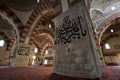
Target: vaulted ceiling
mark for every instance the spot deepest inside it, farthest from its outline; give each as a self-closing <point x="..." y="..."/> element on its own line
<point x="105" y="14"/>
<point x="32" y="19"/>
<point x="108" y="34"/>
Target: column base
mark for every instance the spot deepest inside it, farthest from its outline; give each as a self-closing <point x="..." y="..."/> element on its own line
<point x="55" y="76"/>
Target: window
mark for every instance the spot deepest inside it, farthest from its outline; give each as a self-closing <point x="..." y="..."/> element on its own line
<point x="46" y="52"/>
<point x="36" y="50"/>
<point x="45" y="62"/>
<point x="2" y="43"/>
<point x="112" y="30"/>
<point x="107" y="46"/>
<point x="113" y="8"/>
<point x="49" y="26"/>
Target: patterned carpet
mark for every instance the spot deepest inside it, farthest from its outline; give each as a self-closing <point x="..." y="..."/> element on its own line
<point x="25" y="73"/>
<point x="45" y="73"/>
<point x="111" y="73"/>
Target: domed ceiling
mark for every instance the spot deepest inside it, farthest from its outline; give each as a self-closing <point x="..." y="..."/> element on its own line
<point x="102" y="8"/>
<point x="103" y="12"/>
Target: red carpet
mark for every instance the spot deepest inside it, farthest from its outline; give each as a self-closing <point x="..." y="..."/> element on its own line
<point x="45" y="73"/>
<point x="27" y="73"/>
<point x="111" y="73"/>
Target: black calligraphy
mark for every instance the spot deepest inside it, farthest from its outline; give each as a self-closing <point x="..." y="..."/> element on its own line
<point x="70" y="29"/>
<point x="24" y="51"/>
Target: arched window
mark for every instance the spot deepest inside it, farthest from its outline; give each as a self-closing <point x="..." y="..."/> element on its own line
<point x="107" y="46"/>
<point x="2" y="43"/>
<point x="46" y="52"/>
<point x="35" y="50"/>
<point x="113" y="8"/>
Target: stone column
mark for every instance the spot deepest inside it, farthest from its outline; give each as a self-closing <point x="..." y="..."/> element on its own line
<point x="75" y="52"/>
<point x="64" y="5"/>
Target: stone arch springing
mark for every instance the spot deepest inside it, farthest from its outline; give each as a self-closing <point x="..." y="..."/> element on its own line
<point x="100" y="30"/>
<point x="44" y="47"/>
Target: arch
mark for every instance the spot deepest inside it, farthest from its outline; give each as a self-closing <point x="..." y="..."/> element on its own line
<point x="40" y="47"/>
<point x="101" y="28"/>
<point x="11" y="21"/>
<point x="45" y="32"/>
<point x="44" y="47"/>
<point x="36" y="45"/>
<point x="105" y="23"/>
<point x="33" y="23"/>
<point x="42" y="11"/>
<point x="108" y="38"/>
<point x="11" y="15"/>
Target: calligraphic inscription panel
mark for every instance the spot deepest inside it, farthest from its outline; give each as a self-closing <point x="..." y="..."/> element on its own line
<point x="74" y="55"/>
<point x="24" y="49"/>
<point x="22" y="56"/>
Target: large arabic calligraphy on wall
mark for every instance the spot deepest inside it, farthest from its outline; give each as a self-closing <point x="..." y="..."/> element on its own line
<point x="74" y="55"/>
<point x="70" y="29"/>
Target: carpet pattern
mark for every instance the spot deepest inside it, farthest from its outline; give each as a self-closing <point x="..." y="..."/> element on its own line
<point x="111" y="73"/>
<point x="45" y="73"/>
<point x="25" y="73"/>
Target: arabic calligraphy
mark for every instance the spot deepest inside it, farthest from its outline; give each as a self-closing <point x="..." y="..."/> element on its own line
<point x="24" y="50"/>
<point x="70" y="29"/>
